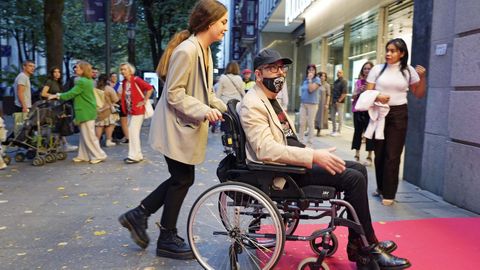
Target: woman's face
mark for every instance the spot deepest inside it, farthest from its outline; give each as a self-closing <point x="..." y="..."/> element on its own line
<point x="125" y="71"/>
<point x="393" y="54"/>
<point x="366" y="69"/>
<point x="113" y="78"/>
<point x="56" y="74"/>
<point x="79" y="71"/>
<point x="323" y="77"/>
<point x="311" y="69"/>
<point x="217" y="29"/>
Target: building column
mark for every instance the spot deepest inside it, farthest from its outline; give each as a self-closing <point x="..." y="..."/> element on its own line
<point x="346" y="51"/>
<point x="421" y="39"/>
<point x="382" y="33"/>
<point x="324" y="54"/>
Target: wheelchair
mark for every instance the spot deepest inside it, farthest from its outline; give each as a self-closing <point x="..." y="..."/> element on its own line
<point x="243" y="222"/>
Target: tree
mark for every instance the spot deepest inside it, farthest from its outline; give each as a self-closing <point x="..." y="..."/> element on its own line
<point x="52" y="24"/>
<point x="19" y="19"/>
<point x="172" y="17"/>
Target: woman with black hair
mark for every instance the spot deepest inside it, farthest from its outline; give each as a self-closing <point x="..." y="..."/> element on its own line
<point x="393" y="80"/>
<point x="52" y="86"/>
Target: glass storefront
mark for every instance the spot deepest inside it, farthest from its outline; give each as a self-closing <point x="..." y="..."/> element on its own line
<point x="361" y="44"/>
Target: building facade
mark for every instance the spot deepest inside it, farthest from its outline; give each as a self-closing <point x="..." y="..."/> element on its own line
<point x="443" y="140"/>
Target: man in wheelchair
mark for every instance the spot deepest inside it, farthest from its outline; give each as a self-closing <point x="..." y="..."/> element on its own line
<point x="270" y="138"/>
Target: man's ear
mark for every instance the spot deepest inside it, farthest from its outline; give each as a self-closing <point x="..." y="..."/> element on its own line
<point x="258" y="74"/>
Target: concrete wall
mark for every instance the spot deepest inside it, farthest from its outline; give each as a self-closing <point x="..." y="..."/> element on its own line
<point x="451" y="150"/>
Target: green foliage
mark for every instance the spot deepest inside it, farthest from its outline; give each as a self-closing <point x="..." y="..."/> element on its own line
<point x="22" y="20"/>
<point x="86" y="40"/>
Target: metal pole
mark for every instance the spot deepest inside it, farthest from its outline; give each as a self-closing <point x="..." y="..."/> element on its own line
<point x="108" y="30"/>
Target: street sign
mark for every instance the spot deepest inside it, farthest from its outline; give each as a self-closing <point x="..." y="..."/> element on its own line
<point x="94" y="10"/>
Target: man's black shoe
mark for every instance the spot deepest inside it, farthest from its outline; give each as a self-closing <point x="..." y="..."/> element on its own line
<point x="387" y="246"/>
<point x="136" y="221"/>
<point x="171" y="245"/>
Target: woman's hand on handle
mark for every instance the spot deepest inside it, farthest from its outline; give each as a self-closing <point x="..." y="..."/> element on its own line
<point x="213" y="115"/>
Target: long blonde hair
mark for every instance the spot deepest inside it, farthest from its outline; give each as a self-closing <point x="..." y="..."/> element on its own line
<point x="86" y="67"/>
<point x="204" y="14"/>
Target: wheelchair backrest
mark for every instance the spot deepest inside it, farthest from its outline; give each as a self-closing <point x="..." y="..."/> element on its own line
<point x="234" y="137"/>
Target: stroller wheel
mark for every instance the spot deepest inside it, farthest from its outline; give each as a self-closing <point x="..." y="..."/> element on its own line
<point x="31" y="154"/>
<point x="19" y="157"/>
<point x="61" y="155"/>
<point x="50" y="158"/>
<point x="38" y="161"/>
<point x="7" y="160"/>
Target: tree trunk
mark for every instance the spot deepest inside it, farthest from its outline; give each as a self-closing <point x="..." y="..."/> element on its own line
<point x="147" y="7"/>
<point x="52" y="24"/>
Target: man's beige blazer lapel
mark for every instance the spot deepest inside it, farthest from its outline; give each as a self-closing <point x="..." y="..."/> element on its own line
<point x="270" y="109"/>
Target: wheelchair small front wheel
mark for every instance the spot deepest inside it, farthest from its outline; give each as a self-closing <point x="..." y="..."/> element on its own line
<point x="311" y="264"/>
<point x="220" y="222"/>
<point x="331" y="245"/>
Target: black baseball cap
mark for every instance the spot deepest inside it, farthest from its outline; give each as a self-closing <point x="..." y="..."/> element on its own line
<point x="269" y="56"/>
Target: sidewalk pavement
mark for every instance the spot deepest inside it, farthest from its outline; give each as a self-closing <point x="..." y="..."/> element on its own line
<point x="64" y="215"/>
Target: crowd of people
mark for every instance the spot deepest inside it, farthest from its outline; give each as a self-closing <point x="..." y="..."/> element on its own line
<point x="190" y="103"/>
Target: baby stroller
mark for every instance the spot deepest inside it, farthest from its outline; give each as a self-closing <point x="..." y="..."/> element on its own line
<point x="38" y="137"/>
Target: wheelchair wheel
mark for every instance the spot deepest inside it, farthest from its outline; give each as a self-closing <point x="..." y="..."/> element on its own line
<point x="332" y="245"/>
<point x="291" y="225"/>
<point x="19" y="157"/>
<point x="220" y="222"/>
<point x="311" y="264"/>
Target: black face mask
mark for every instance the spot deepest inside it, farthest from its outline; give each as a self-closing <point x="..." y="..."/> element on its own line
<point x="275" y="85"/>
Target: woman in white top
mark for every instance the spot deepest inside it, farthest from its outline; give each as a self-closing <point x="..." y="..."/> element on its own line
<point x="393" y="80"/>
<point x="230" y="84"/>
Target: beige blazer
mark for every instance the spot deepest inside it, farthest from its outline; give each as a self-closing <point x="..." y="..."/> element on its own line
<point x="178" y="128"/>
<point x="266" y="141"/>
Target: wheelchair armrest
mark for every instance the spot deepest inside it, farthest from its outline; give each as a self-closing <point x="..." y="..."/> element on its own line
<point x="276" y="168"/>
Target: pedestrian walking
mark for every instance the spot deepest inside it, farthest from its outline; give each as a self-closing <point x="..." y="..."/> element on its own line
<point x="135" y="94"/>
<point x="309" y="103"/>
<point x="361" y="118"/>
<point x="22" y="91"/>
<point x="321" y="120"/>
<point x="339" y="93"/>
<point x="179" y="128"/>
<point x="107" y="116"/>
<point x="393" y="80"/>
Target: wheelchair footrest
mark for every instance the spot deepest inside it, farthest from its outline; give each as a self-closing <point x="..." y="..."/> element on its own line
<point x="319" y="192"/>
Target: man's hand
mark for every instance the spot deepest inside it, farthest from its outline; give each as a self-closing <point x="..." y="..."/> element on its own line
<point x="213" y="115"/>
<point x="327" y="160"/>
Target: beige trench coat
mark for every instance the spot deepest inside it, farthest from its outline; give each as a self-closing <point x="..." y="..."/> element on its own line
<point x="178" y="128"/>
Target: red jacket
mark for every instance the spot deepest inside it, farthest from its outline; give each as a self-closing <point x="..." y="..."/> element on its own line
<point x="134" y="95"/>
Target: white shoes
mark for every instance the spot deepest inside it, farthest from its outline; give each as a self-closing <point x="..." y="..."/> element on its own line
<point x="109" y="143"/>
<point x="69" y="148"/>
<point x="335" y="134"/>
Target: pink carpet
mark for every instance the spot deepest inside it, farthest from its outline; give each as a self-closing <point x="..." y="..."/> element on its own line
<point x="440" y="243"/>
